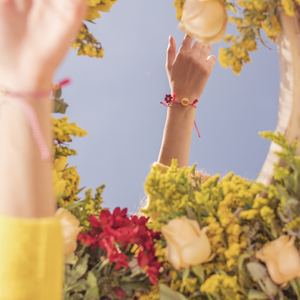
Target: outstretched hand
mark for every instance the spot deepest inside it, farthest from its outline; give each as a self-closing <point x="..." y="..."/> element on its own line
<point x="189" y="69"/>
<point x="34" y="37"/>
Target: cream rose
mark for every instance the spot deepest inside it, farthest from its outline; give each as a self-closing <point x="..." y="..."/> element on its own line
<point x="187" y="244"/>
<point x="204" y="20"/>
<point x="281" y="258"/>
<point x="70" y="230"/>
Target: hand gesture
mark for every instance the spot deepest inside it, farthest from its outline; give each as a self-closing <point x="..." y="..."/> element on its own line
<point x="34" y="37"/>
<point x="189" y="69"/>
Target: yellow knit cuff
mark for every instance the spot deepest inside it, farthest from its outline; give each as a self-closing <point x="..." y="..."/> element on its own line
<point x="161" y="167"/>
<point x="31" y="259"/>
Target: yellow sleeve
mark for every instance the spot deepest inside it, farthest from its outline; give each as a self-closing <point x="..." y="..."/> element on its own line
<point x="31" y="259"/>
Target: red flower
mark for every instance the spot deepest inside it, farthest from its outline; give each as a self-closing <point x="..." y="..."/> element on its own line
<point x="113" y="232"/>
<point x="119" y="292"/>
<point x="168" y="98"/>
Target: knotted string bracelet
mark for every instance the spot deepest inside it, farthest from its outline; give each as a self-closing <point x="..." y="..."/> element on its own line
<point x="32" y="117"/>
<point x="184" y="101"/>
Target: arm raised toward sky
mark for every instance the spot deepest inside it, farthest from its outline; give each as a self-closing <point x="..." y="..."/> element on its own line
<point x="34" y="37"/>
<point x="188" y="71"/>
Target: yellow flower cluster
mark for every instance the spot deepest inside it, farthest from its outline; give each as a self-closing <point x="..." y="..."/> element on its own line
<point x="288" y="6"/>
<point x="152" y="295"/>
<point x="223" y="284"/>
<point x="236" y="55"/>
<point x="90" y="205"/>
<point x="272" y="27"/>
<point x="257" y="14"/>
<point x="160" y="251"/>
<point x="179" y="4"/>
<point x="168" y="192"/>
<point x="72" y="179"/>
<point x="98" y="5"/>
<point x="65" y="182"/>
<point x="63" y="130"/>
<point x="87" y="44"/>
<point x="63" y="151"/>
<point x="85" y="41"/>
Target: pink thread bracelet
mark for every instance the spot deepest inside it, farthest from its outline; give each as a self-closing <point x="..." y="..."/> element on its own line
<point x="32" y="117"/>
<point x="184" y="101"/>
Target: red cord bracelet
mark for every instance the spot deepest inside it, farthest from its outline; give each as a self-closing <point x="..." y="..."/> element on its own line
<point x="184" y="101"/>
<point x="32" y="117"/>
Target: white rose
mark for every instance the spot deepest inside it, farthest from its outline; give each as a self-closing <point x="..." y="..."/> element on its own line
<point x="204" y="20"/>
<point x="70" y="230"/>
<point x="187" y="243"/>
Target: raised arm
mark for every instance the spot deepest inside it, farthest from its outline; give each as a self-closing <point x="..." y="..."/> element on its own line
<point x="34" y="37"/>
<point x="188" y="71"/>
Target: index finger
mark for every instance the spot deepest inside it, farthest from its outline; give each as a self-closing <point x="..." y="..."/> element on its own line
<point x="186" y="43"/>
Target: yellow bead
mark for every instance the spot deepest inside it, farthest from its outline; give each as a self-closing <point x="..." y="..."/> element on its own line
<point x="185" y="101"/>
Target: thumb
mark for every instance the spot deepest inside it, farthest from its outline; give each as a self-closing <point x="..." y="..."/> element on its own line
<point x="211" y="60"/>
<point x="171" y="52"/>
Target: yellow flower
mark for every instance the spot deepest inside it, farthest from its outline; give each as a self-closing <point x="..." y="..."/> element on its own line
<point x="59" y="184"/>
<point x="92" y="14"/>
<point x="60" y="163"/>
<point x="70" y="230"/>
<point x="288" y="6"/>
<point x="187" y="244"/>
<point x="204" y="20"/>
<point x="267" y="214"/>
<point x="281" y="258"/>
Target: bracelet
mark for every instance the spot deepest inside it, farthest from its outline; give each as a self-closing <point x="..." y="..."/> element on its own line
<point x="169" y="99"/>
<point x="32" y="117"/>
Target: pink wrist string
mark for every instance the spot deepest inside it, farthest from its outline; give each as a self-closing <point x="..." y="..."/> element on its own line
<point x="170" y="100"/>
<point x="32" y="117"/>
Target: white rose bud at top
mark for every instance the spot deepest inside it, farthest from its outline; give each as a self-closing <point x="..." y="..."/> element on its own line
<point x="204" y="20"/>
<point x="70" y="230"/>
<point x="187" y="244"/>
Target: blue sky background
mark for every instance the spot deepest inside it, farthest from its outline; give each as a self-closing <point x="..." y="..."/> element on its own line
<point x="116" y="99"/>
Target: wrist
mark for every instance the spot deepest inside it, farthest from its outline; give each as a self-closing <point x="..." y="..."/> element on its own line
<point x="23" y="84"/>
<point x="190" y="96"/>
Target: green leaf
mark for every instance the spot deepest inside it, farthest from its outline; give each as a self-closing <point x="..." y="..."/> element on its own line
<point x="165" y="293"/>
<point x="199" y="272"/>
<point x="60" y="106"/>
<point x="59" y="196"/>
<point x="185" y="274"/>
<point x="74" y="205"/>
<point x="257" y="295"/>
<point x="91" y="279"/>
<point x="129" y="287"/>
<point x="295" y="286"/>
<point x="79" y="286"/>
<point x="81" y="189"/>
<point x="190" y="213"/>
<point x="257" y="270"/>
<point x="92" y="293"/>
<point x="270" y="286"/>
<point x="57" y="93"/>
<point x="231" y="7"/>
<point x="241" y="260"/>
<point x="76" y="296"/>
<point x="103" y="264"/>
<point x="81" y="267"/>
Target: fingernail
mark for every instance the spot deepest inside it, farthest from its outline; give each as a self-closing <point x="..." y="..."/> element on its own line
<point x="169" y="38"/>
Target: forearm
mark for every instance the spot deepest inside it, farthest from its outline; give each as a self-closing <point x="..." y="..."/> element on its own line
<point x="25" y="179"/>
<point x="177" y="135"/>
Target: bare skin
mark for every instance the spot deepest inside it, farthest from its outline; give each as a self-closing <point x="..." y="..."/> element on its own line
<point x="34" y="38"/>
<point x="188" y="71"/>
